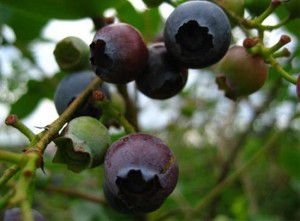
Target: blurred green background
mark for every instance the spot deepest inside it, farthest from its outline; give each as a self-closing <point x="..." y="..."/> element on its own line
<point x="200" y="125"/>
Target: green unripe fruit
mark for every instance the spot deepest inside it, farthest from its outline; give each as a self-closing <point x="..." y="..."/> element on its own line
<point x="83" y="144"/>
<point x="153" y="3"/>
<point x="241" y="73"/>
<point x="256" y="7"/>
<point x="72" y="54"/>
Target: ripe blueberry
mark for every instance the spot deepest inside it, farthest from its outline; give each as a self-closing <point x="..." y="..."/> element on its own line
<point x="140" y="172"/>
<point x="15" y="215"/>
<point x="70" y="87"/>
<point x="241" y="73"/>
<point x="197" y="34"/>
<point x="118" y="53"/>
<point x="163" y="78"/>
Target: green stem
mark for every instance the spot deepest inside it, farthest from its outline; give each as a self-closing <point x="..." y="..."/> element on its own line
<point x="232" y="178"/>
<point x="26" y="211"/>
<point x="23" y="185"/>
<point x="272" y="27"/>
<point x="13" y="121"/>
<point x="110" y="111"/>
<point x="5" y="199"/>
<point x="8" y="174"/>
<point x="259" y="20"/>
<point x="281" y="71"/>
<point x="54" y="128"/>
<point x="11" y="157"/>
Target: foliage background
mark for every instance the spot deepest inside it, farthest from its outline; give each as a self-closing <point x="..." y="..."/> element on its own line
<point x="200" y="125"/>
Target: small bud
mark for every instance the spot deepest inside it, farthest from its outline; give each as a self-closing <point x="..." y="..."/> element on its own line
<point x="250" y="42"/>
<point x="72" y="54"/>
<point x="109" y="20"/>
<point x="11" y="120"/>
<point x="285" y="39"/>
<point x="276" y="3"/>
<point x="98" y="95"/>
<point x="83" y="144"/>
<point x="286" y="52"/>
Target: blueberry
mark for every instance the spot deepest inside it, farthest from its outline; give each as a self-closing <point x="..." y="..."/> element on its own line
<point x="140" y="172"/>
<point x="15" y="215"/>
<point x="241" y="73"/>
<point x="197" y="34"/>
<point x="118" y="53"/>
<point x="70" y="87"/>
<point x="163" y="77"/>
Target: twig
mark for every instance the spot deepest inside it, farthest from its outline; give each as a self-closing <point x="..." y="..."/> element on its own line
<point x="10" y="156"/>
<point x="131" y="109"/>
<point x="8" y="174"/>
<point x="76" y="194"/>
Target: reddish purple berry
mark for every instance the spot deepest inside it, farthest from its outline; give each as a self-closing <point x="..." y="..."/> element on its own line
<point x="163" y="78"/>
<point x="241" y="73"/>
<point x="140" y="172"/>
<point x="118" y="53"/>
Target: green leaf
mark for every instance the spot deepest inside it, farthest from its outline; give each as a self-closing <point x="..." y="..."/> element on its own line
<point x="36" y="91"/>
<point x="147" y="22"/>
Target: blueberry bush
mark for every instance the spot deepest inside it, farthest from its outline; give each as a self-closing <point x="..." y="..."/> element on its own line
<point x="171" y="110"/>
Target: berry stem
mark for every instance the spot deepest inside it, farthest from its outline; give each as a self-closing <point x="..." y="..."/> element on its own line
<point x="13" y="120"/>
<point x="281" y="71"/>
<point x="131" y="109"/>
<point x="53" y="129"/>
<point x="10" y="157"/>
<point x="259" y="20"/>
<point x="76" y="194"/>
<point x="5" y="199"/>
<point x="8" y="174"/>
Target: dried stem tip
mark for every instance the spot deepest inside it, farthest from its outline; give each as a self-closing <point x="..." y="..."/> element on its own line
<point x="11" y="120"/>
<point x="285" y="39"/>
<point x="250" y="42"/>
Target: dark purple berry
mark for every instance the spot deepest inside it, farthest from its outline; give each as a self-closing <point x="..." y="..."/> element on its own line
<point x="118" y="53"/>
<point x="197" y="34"/>
<point x="15" y="215"/>
<point x="140" y="172"/>
<point x="70" y="87"/>
<point x="163" y="78"/>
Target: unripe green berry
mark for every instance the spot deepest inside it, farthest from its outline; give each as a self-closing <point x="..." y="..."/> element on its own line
<point x="72" y="54"/>
<point x="83" y="144"/>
